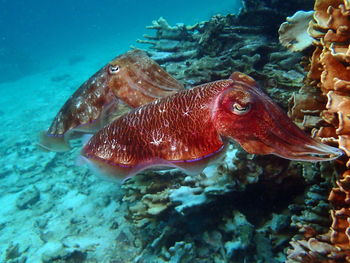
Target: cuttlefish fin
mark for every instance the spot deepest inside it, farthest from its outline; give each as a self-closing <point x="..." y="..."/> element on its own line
<point x="195" y="167"/>
<point x="85" y="138"/>
<point x="109" y="171"/>
<point x="241" y="77"/>
<point x="49" y="142"/>
<point x="190" y="168"/>
<point x="121" y="173"/>
<point x="103" y="170"/>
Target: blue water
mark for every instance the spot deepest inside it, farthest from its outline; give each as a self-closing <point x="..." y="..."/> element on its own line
<point x="35" y="35"/>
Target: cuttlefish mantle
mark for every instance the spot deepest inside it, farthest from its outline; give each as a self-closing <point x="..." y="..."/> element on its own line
<point x="128" y="81"/>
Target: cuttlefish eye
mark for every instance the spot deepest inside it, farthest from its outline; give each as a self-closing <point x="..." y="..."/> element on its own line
<point x="113" y="69"/>
<point x="240" y="110"/>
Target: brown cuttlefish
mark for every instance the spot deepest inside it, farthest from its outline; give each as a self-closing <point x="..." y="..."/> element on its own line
<point x="128" y="81"/>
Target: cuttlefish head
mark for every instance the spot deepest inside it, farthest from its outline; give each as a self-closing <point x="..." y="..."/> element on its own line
<point x="245" y="114"/>
<point x="136" y="79"/>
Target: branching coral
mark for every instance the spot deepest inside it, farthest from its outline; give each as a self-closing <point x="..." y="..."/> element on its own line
<point x="212" y="50"/>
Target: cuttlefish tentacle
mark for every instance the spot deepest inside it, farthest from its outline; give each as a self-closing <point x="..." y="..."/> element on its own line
<point x="276" y="131"/>
<point x="191" y="128"/>
<point x="128" y="81"/>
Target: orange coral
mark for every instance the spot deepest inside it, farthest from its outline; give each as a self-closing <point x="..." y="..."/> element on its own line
<point x="330" y="64"/>
<point x="305" y="114"/>
<point x="340" y="198"/>
<point x="315" y="250"/>
<point x="333" y="17"/>
<point x="329" y="71"/>
<point x="315" y="71"/>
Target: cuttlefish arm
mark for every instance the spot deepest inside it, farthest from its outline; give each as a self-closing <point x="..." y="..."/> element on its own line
<point x="247" y="115"/>
<point x="130" y="80"/>
<point x="190" y="129"/>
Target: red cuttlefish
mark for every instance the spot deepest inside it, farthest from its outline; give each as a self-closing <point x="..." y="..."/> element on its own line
<point x="191" y="128"/>
<point x="128" y="81"/>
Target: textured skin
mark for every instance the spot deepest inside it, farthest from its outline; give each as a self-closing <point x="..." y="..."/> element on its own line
<point x="84" y="106"/>
<point x="141" y="80"/>
<point x="105" y="96"/>
<point x="177" y="128"/>
<point x="194" y="125"/>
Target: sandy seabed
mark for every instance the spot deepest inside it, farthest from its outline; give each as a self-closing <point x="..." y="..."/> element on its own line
<point x="51" y="209"/>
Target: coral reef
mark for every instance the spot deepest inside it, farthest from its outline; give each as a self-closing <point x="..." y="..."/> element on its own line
<point x="213" y="50"/>
<point x="215" y="212"/>
<point x="151" y="195"/>
<point x="293" y="33"/>
<point x="245" y="209"/>
<point x="209" y="51"/>
<point x="322" y="107"/>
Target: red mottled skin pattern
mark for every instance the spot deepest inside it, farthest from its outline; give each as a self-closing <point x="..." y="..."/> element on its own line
<point x="128" y="81"/>
<point x="189" y="129"/>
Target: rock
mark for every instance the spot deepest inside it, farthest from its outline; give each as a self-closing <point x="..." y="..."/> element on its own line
<point x="52" y="250"/>
<point x="181" y="252"/>
<point x="279" y="222"/>
<point x="55" y="251"/>
<point x="12" y="251"/>
<point x="232" y="246"/>
<point x="28" y="198"/>
<point x="187" y="197"/>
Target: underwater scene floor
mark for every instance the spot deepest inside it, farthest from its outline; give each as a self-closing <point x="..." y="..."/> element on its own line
<point x="49" y="206"/>
<point x="55" y="211"/>
<point x="245" y="208"/>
